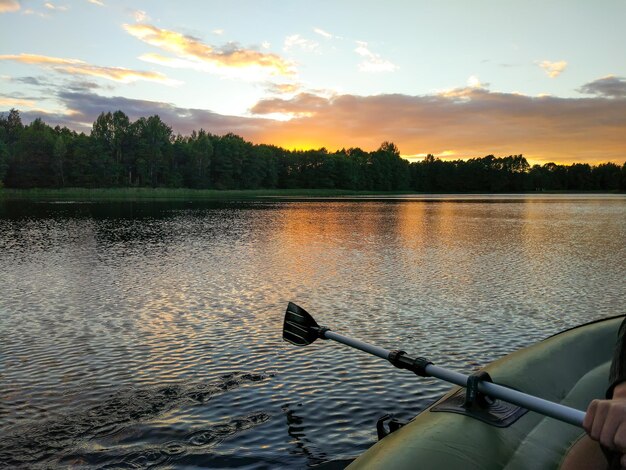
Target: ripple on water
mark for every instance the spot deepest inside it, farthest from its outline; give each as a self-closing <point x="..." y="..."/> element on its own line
<point x="31" y="442"/>
<point x="137" y="335"/>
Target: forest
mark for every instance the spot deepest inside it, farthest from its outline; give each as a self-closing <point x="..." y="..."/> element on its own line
<point x="147" y="153"/>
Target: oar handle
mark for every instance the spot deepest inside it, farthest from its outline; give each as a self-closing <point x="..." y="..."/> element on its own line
<point x="423" y="367"/>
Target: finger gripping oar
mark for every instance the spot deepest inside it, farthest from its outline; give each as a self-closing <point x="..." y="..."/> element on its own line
<point x="301" y="329"/>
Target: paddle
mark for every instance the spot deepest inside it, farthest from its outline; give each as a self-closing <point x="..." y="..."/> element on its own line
<point x="301" y="329"/>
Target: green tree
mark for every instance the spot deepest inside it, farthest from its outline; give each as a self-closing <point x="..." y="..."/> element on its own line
<point x="59" y="153"/>
<point x="4" y="161"/>
<point x="12" y="125"/>
<point x="153" y="149"/>
<point x="111" y="134"/>
<point x="33" y="156"/>
<point x="606" y="176"/>
<point x="200" y="159"/>
<point x="579" y="177"/>
<point x="229" y="153"/>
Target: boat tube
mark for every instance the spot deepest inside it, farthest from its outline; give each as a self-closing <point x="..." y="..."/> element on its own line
<point x="522" y="411"/>
<point x="570" y="368"/>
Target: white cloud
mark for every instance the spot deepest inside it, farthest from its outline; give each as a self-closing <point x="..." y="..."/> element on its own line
<point x="265" y="45"/>
<point x="296" y="40"/>
<point x="321" y="32"/>
<point x="8" y="6"/>
<point x="553" y="69"/>
<point x="96" y="2"/>
<point x="219" y="32"/>
<point x="373" y="62"/>
<point x="53" y="7"/>
<point x="140" y="15"/>
<point x="30" y="11"/>
<point x="474" y="82"/>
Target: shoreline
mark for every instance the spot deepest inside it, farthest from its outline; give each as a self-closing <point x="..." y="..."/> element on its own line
<point x="130" y="194"/>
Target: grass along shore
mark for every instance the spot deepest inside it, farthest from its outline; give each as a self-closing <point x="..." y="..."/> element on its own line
<point x="165" y="194"/>
<point x="116" y="194"/>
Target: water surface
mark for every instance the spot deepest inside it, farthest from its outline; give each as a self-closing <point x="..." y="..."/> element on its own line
<point x="149" y="333"/>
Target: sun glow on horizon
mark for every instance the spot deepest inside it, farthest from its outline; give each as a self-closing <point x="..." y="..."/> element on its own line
<point x="307" y="79"/>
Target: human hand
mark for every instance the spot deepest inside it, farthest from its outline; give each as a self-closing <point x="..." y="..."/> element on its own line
<point x="605" y="421"/>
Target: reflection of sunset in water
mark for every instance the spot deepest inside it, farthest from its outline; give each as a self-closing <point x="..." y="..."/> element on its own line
<point x="152" y="332"/>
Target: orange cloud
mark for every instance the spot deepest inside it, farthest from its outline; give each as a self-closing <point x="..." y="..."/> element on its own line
<point x="304" y="104"/>
<point x="75" y="66"/>
<point x="471" y="123"/>
<point x="284" y="88"/>
<point x="192" y="53"/>
<point x="8" y="6"/>
<point x="16" y="102"/>
<point x="35" y="59"/>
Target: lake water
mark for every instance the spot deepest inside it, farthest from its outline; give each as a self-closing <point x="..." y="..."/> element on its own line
<point x="149" y="333"/>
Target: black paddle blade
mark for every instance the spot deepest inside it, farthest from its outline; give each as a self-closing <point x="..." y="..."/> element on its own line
<point x="299" y="327"/>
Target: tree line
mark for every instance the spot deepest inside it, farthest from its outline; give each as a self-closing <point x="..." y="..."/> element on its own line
<point x="147" y="153"/>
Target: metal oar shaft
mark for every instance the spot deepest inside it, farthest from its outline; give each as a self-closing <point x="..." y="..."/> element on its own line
<point x="530" y="402"/>
<point x="355" y="343"/>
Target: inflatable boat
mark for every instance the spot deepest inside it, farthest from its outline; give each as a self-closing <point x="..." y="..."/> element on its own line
<point x="467" y="429"/>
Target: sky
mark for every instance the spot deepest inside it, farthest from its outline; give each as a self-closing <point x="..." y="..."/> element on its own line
<point x="457" y="79"/>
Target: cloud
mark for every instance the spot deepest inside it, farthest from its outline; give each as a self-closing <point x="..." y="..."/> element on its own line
<point x="373" y="62"/>
<point x="553" y="69"/>
<point x="139" y="15"/>
<point x="321" y="32"/>
<point x="304" y="104"/>
<point x="30" y="11"/>
<point x="96" y="2"/>
<point x="296" y="41"/>
<point x="190" y="52"/>
<point x="219" y="32"/>
<point x="8" y="6"/>
<point x="283" y="88"/>
<point x="481" y="123"/>
<point x="84" y="85"/>
<point x="609" y="87"/>
<point x="84" y="107"/>
<point x="474" y="82"/>
<point x="75" y="66"/>
<point x="50" y="85"/>
<point x="29" y="81"/>
<point x="473" y="122"/>
<point x="39" y="59"/>
<point x="53" y="7"/>
<point x="10" y="102"/>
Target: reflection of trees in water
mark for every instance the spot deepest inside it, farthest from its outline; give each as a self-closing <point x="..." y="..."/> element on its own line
<point x="296" y="430"/>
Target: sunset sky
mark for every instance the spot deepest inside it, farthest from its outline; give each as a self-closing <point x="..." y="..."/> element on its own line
<point x="458" y="79"/>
